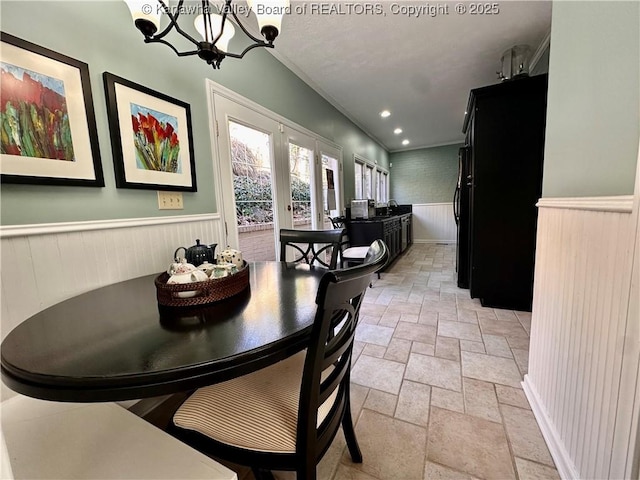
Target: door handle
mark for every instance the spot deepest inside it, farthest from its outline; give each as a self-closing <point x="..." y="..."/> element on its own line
<point x="289" y="208"/>
<point x="456" y="197"/>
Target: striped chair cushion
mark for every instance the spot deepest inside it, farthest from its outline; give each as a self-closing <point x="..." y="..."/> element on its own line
<point x="258" y="411"/>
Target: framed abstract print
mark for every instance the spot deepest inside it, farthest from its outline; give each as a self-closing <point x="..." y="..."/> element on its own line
<point x="47" y="122"/>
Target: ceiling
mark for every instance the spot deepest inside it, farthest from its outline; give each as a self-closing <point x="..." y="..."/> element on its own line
<point x="420" y="69"/>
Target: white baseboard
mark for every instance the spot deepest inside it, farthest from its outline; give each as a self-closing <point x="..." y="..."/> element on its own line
<point x="448" y="242"/>
<point x="564" y="465"/>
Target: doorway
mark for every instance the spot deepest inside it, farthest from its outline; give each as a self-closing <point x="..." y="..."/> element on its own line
<point x="272" y="176"/>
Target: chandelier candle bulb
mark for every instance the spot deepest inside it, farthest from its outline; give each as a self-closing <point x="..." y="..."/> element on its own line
<point x="146" y="15"/>
<point x="269" y="14"/>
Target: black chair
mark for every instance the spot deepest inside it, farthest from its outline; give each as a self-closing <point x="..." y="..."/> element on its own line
<point x="349" y="255"/>
<point x="312" y="246"/>
<point x="285" y="416"/>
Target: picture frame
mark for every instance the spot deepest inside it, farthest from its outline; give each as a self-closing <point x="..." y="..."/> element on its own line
<point x="151" y="137"/>
<point x="47" y="118"/>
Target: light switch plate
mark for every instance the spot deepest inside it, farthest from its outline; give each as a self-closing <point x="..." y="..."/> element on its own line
<point x="170" y="201"/>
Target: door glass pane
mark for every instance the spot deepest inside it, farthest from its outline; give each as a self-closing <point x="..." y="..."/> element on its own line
<point x="330" y="192"/>
<point x="367" y="182"/>
<point x="359" y="191"/>
<point x="376" y="185"/>
<point x="300" y="165"/>
<point x="252" y="177"/>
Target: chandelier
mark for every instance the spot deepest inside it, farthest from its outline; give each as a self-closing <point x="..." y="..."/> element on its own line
<point x="216" y="29"/>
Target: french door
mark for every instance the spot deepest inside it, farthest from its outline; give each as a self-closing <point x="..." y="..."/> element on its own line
<point x="272" y="176"/>
<point x="303" y="209"/>
<point x="330" y="160"/>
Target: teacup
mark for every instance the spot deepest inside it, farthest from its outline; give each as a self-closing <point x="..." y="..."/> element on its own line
<point x="207" y="268"/>
<point x="219" y="271"/>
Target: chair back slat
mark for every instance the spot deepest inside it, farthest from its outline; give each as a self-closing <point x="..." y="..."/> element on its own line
<point x="341" y="222"/>
<point x="328" y="386"/>
<point x="312" y="246"/>
<point x="336" y="348"/>
<point x="339" y="299"/>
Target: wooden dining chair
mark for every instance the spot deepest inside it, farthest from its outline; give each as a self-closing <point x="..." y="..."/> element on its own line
<point x="285" y="416"/>
<point x="312" y="246"/>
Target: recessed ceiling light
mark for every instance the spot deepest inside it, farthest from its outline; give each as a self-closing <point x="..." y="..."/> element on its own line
<point x="397" y="131"/>
<point x="405" y="142"/>
<point x="385" y="113"/>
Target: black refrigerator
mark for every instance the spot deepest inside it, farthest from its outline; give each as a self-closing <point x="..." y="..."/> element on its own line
<point x="502" y="177"/>
<point x="461" y="216"/>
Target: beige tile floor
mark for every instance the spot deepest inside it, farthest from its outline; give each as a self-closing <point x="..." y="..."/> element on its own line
<point x="436" y="383"/>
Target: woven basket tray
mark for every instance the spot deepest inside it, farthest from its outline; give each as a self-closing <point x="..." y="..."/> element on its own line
<point x="209" y="291"/>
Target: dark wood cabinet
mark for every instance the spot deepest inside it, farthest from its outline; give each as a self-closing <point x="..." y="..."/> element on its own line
<point x="505" y="129"/>
<point x="395" y="231"/>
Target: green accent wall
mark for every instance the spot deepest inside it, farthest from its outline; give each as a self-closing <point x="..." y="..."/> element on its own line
<point x="426" y="175"/>
<point x="102" y="35"/>
<point x="593" y="112"/>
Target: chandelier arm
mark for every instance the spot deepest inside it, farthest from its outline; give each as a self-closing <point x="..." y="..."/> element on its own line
<point x="222" y="24"/>
<point x="259" y="41"/>
<point x="173" y="23"/>
<point x="250" y="47"/>
<point x="175" y="50"/>
<point x="181" y="32"/>
<point x="173" y="20"/>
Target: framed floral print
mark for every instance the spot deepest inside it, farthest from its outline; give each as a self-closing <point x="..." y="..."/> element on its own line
<point x="151" y="137"/>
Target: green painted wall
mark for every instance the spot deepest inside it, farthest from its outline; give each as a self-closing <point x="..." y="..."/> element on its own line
<point x="102" y="35"/>
<point x="427" y="175"/>
<point x="593" y="117"/>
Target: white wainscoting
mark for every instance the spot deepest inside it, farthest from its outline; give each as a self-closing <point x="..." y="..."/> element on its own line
<point x="584" y="352"/>
<point x="45" y="264"/>
<point x="433" y="223"/>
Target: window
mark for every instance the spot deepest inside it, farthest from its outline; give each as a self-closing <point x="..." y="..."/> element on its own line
<point x="371" y="181"/>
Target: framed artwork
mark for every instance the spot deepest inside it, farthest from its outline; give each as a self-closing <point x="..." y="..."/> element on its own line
<point x="47" y="123"/>
<point x="151" y="137"/>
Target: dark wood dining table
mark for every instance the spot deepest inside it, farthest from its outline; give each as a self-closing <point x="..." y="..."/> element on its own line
<point x="117" y="343"/>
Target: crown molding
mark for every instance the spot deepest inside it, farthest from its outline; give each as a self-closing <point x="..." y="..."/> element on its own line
<point x="535" y="58"/>
<point x="410" y="149"/>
